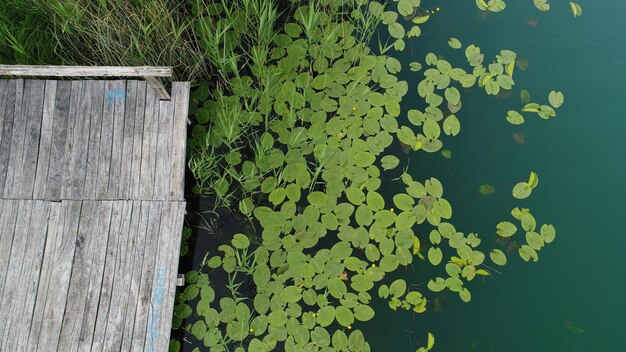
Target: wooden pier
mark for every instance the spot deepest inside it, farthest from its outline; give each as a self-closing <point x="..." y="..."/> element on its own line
<point x="91" y="213"/>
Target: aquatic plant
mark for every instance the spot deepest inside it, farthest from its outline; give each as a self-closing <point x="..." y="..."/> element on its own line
<point x="296" y="138"/>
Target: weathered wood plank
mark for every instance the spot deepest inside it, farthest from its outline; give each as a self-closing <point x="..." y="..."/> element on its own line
<point x="84" y="261"/>
<point x="10" y="305"/>
<point x="106" y="222"/>
<point x="127" y="141"/>
<point x="80" y="142"/>
<point x="53" y="238"/>
<point x="74" y="123"/>
<point x="111" y="271"/>
<point x="7" y="230"/>
<point x="147" y="277"/>
<point x="84" y="71"/>
<point x="33" y="115"/>
<point x="148" y="154"/>
<point x="97" y="94"/>
<point x="139" y="231"/>
<point x="5" y="90"/>
<point x="163" y="151"/>
<point x="169" y="245"/>
<point x="16" y="153"/>
<point x="111" y="334"/>
<point x="118" y="137"/>
<point x="160" y="280"/>
<point x="180" y="99"/>
<point x="61" y="261"/>
<point x="31" y="269"/>
<point x="158" y="88"/>
<point x="43" y="156"/>
<point x="106" y="140"/>
<point x="60" y="128"/>
<point x="8" y="112"/>
<point x="140" y="107"/>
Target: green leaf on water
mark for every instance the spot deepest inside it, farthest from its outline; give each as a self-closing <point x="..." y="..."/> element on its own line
<point x="497" y="257"/>
<point x="527" y="253"/>
<point x="555" y="99"/>
<point x="435" y="255"/>
<point x="522" y="190"/>
<point x="451" y="125"/>
<point x="403" y="201"/>
<point x="437" y="284"/>
<point x="344" y="316"/>
<point x="506" y="229"/>
<point x="389" y="162"/>
<point x="452" y="95"/>
<point x="240" y="241"/>
<point x="465" y="295"/>
<point x="326" y="316"/>
<point x="363" y="312"/>
<point x="454" y="43"/>
<point x="396" y="30"/>
<point x="415" y="66"/>
<point x="514" y="117"/>
<point x="548" y="233"/>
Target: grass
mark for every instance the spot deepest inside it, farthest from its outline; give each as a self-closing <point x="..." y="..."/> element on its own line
<point x="105" y="32"/>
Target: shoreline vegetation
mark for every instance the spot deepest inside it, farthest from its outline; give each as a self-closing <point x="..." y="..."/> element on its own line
<point x="294" y="107"/>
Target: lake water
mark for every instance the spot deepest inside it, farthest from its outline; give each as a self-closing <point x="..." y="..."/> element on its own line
<point x="573" y="299"/>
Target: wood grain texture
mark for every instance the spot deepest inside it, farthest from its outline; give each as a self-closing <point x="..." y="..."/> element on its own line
<point x="8" y="117"/>
<point x="138" y="133"/>
<point x="96" y="92"/>
<point x="127" y="141"/>
<point x="180" y="99"/>
<point x="33" y="114"/>
<point x="45" y="143"/>
<point x="89" y="234"/>
<point x="84" y="71"/>
<point x="60" y="127"/>
<point x="16" y="147"/>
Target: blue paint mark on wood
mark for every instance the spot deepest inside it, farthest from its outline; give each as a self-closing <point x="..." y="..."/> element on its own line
<point x="155" y="309"/>
<point x="110" y="95"/>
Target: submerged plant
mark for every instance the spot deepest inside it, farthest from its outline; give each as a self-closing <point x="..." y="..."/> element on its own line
<point x="298" y="136"/>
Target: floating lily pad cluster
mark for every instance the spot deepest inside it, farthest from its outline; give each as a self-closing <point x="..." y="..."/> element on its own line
<point x="298" y="142"/>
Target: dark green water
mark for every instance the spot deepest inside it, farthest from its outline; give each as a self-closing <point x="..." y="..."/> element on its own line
<point x="580" y="158"/>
